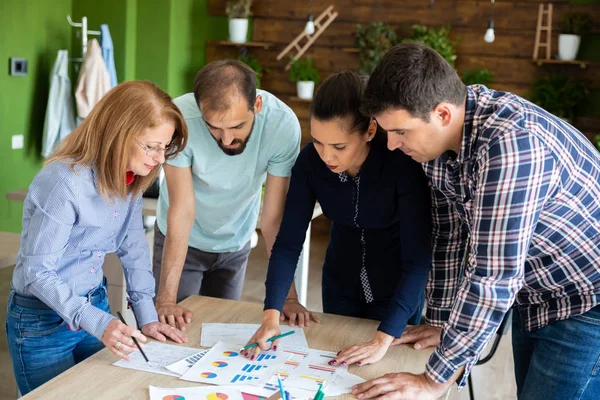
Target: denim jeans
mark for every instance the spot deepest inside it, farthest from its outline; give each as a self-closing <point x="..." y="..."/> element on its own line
<point x="560" y="361"/>
<point x="335" y="301"/>
<point x="40" y="342"/>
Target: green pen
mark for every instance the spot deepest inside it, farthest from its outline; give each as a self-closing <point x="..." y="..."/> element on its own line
<point x="249" y="346"/>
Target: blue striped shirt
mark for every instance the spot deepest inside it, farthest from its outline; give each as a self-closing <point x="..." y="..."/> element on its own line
<point x="524" y="194"/>
<point x="68" y="229"/>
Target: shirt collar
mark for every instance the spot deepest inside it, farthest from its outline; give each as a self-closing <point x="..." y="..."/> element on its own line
<point x="468" y="136"/>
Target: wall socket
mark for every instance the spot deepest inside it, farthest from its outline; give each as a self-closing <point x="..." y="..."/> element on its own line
<point x="17" y="142"/>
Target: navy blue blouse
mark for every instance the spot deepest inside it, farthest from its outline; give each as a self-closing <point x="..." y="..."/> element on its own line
<point x="387" y="203"/>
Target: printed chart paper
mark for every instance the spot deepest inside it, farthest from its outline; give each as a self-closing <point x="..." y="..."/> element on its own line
<point x="224" y="365"/>
<point x="160" y="355"/>
<point x="302" y="373"/>
<point x="182" y="366"/>
<point x="195" y="393"/>
<point x="341" y="383"/>
<point x="239" y="334"/>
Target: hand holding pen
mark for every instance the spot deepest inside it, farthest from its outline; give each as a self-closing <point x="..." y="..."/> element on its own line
<point x="118" y="338"/>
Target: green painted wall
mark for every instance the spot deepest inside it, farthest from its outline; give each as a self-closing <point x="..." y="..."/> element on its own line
<point x="152" y="51"/>
<point x="36" y="30"/>
<point x="159" y="40"/>
<point x="190" y="27"/>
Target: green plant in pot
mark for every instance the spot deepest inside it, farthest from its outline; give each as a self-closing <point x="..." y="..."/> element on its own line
<point x="559" y="95"/>
<point x="373" y="41"/>
<point x="238" y="12"/>
<point x="256" y="66"/>
<point x="436" y="38"/>
<point x="574" y="26"/>
<point x="477" y="77"/>
<point x="306" y="76"/>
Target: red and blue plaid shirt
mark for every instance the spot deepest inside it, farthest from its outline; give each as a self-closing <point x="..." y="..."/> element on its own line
<point x="524" y="195"/>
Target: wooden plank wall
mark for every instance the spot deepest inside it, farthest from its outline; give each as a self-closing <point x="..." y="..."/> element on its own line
<point x="509" y="57"/>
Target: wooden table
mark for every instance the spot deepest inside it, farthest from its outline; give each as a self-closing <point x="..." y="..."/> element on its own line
<point x="9" y="247"/>
<point x="96" y="378"/>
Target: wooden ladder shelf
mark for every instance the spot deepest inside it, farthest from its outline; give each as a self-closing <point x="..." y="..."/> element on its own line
<point x="321" y="23"/>
<point x="542" y="11"/>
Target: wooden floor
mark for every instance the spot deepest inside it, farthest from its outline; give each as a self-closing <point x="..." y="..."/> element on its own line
<point x="492" y="381"/>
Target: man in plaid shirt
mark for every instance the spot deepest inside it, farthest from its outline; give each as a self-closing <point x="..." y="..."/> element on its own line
<point x="516" y="189"/>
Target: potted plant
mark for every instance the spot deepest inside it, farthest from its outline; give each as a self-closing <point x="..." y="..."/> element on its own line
<point x="438" y="39"/>
<point x="373" y="41"/>
<point x="574" y="25"/>
<point x="305" y="76"/>
<point x="559" y="95"/>
<point x="238" y="12"/>
<point x="478" y="77"/>
<point x="256" y="66"/>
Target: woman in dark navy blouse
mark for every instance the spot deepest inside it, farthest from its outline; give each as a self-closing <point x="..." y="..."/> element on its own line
<point x="379" y="255"/>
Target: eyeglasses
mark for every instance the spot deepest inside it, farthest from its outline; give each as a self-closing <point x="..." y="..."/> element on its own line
<point x="154" y="150"/>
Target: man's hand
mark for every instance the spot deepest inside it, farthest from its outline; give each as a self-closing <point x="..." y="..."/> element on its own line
<point x="174" y="315"/>
<point x="292" y="309"/>
<point x="401" y="386"/>
<point x="422" y="336"/>
<point x="161" y="331"/>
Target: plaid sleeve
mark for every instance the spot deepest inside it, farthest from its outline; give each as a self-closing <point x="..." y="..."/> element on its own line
<point x="449" y="238"/>
<point x="513" y="180"/>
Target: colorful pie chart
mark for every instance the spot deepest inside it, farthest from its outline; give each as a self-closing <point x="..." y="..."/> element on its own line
<point x="219" y="364"/>
<point x="173" y="397"/>
<point x="217" y="396"/>
<point x="230" y="354"/>
<point x="208" y="375"/>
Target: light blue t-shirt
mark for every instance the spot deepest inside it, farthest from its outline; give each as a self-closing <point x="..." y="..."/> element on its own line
<point x="228" y="188"/>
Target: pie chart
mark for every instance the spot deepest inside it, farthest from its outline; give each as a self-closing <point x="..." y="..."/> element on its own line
<point x="230" y="354"/>
<point x="217" y="396"/>
<point x="219" y="364"/>
<point x="208" y="375"/>
<point x="173" y="397"/>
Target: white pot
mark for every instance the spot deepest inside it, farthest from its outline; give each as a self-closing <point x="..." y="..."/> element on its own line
<point x="305" y="89"/>
<point x="568" y="45"/>
<point x="238" y="30"/>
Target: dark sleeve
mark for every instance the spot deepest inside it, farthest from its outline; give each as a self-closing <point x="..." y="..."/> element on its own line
<point x="415" y="236"/>
<point x="299" y="206"/>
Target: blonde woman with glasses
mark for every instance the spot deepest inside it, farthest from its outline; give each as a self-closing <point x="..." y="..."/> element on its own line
<point x="85" y="203"/>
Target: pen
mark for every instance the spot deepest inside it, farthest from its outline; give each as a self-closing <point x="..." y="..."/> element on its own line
<point x="248" y="346"/>
<point x="283" y="397"/>
<point x="134" y="339"/>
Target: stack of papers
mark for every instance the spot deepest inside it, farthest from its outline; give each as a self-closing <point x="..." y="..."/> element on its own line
<point x="302" y="370"/>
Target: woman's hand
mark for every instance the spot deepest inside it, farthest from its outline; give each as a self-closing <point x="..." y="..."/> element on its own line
<point x="364" y="353"/>
<point x="117" y="338"/>
<point x="268" y="329"/>
<point x="161" y="331"/>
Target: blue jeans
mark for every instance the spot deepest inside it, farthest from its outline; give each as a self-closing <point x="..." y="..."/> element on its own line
<point x="335" y="301"/>
<point x="40" y="342"/>
<point x="559" y="361"/>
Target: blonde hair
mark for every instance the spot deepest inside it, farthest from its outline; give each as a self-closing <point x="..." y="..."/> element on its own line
<point x="105" y="139"/>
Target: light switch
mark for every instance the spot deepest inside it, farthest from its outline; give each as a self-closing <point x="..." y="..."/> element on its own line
<point x="17" y="141"/>
<point x="18" y="66"/>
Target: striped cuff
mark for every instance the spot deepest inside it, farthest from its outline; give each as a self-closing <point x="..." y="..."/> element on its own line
<point x="440" y="369"/>
<point x="94" y="321"/>
<point x="145" y="312"/>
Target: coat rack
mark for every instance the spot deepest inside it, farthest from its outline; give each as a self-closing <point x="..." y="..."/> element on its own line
<point x="84" y="34"/>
